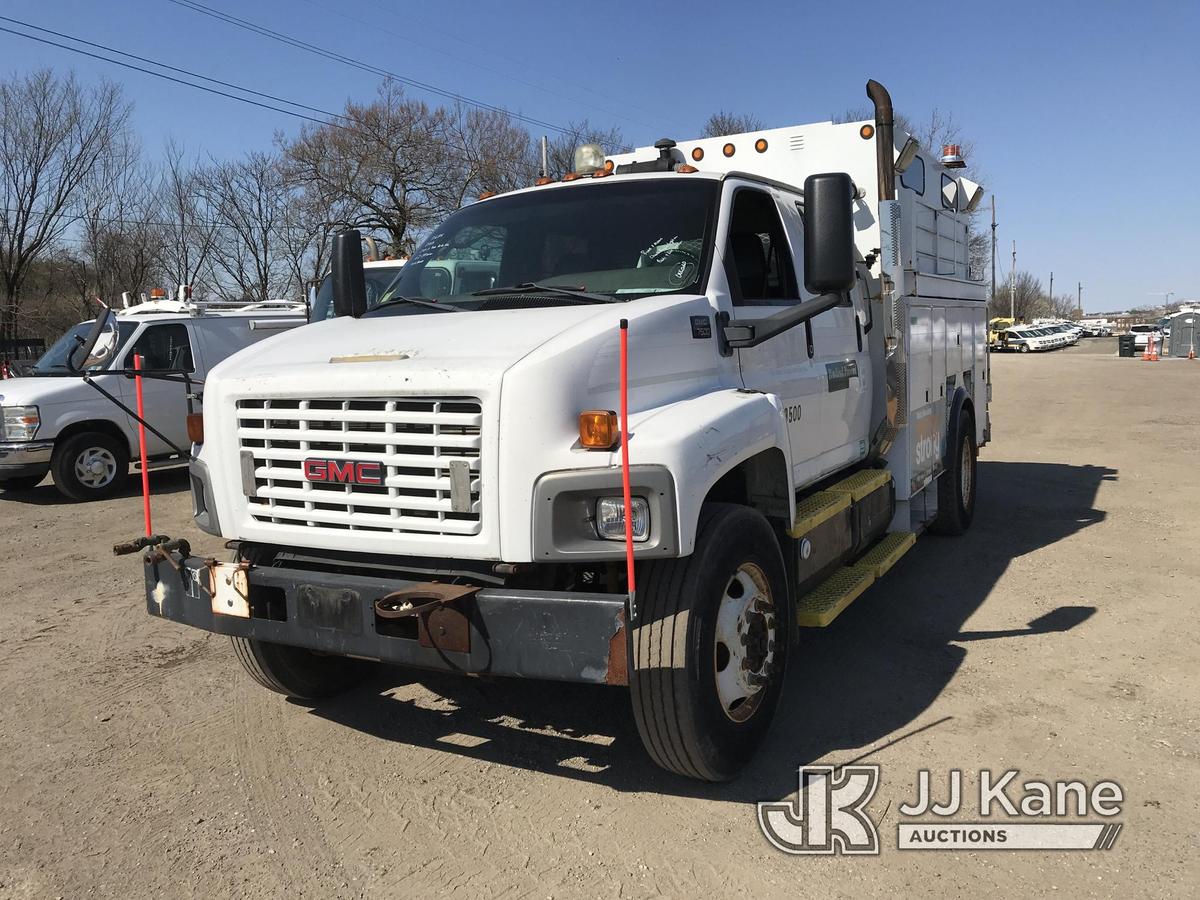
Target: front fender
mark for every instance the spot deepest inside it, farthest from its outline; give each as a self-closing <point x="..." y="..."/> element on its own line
<point x="702" y="439"/>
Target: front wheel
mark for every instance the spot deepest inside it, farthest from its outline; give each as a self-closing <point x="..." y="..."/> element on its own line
<point x="296" y="672"/>
<point x="710" y="646"/>
<point x="90" y="466"/>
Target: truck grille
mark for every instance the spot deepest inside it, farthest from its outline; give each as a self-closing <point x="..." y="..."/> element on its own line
<point x="415" y="439"/>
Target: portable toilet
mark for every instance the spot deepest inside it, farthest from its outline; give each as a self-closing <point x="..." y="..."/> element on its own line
<point x="1185" y="333"/>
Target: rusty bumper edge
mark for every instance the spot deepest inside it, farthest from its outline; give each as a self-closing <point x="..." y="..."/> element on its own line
<point x="514" y="632"/>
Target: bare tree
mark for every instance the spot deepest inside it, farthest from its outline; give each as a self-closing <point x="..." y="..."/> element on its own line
<point x="187" y="231"/>
<point x="488" y="151"/>
<point x="117" y="232"/>
<point x="722" y="123"/>
<point x="1028" y="300"/>
<point x="390" y="157"/>
<point x="53" y="133"/>
<point x="250" y="200"/>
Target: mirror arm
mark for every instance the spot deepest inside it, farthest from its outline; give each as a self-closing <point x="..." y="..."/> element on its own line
<point x="750" y="333"/>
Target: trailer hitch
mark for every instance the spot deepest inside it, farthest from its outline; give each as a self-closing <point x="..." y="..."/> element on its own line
<point x="159" y="546"/>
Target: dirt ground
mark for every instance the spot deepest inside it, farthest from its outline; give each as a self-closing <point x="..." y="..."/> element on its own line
<point x="1058" y="637"/>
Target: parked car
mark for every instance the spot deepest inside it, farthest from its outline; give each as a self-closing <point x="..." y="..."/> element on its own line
<point x="1141" y="336"/>
<point x="1026" y="339"/>
<point x="53" y="422"/>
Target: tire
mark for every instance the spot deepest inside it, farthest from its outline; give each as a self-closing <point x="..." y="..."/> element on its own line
<point x="296" y="672"/>
<point x="685" y="705"/>
<point x="956" y="493"/>
<point x="20" y="482"/>
<point x="90" y="466"/>
<point x="1024" y="348"/>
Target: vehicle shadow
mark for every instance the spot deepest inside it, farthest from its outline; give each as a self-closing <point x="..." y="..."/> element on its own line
<point x="868" y="678"/>
<point x="162" y="481"/>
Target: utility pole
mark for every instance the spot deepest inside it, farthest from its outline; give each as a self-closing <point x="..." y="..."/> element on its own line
<point x="993" y="251"/>
<point x="1052" y="294"/>
<point x="545" y="158"/>
<point x="1079" y="298"/>
<point x="1012" y="285"/>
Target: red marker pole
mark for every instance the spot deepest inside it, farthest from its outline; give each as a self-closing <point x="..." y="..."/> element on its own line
<point x="137" y="383"/>
<point x="624" y="390"/>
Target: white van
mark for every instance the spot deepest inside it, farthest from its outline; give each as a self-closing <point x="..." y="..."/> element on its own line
<point x="51" y="421"/>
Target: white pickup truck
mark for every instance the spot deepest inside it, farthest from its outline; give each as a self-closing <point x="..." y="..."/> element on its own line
<point x="54" y="422"/>
<point x="434" y="480"/>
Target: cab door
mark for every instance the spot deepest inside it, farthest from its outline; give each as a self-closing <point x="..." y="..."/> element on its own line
<point x="760" y="261"/>
<point x="839" y="351"/>
<point x="164" y="347"/>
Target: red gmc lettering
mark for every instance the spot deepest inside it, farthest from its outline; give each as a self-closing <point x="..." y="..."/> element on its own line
<point x="343" y="471"/>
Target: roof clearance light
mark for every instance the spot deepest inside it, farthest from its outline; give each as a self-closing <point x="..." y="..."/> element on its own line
<point x="570" y="176"/>
<point x="686" y="169"/>
<point x="486" y="194"/>
<point x="697" y="153"/>
<point x="728" y="149"/>
<point x="588" y="158"/>
<point x="545" y="179"/>
<point x="157" y="294"/>
<point x="609" y="166"/>
<point x="867" y="132"/>
<point x="761" y="145"/>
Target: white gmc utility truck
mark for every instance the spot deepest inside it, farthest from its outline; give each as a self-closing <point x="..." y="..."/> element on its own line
<point x="433" y="478"/>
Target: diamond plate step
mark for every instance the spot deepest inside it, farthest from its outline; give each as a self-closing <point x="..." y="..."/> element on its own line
<point x="822" y="605"/>
<point x="887" y="552"/>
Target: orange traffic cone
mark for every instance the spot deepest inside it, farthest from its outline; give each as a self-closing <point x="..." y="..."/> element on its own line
<point x="1151" y="352"/>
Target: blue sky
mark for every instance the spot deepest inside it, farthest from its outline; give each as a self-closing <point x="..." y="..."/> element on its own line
<point x="1065" y="101"/>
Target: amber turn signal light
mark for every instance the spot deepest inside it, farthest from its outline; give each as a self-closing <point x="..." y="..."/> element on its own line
<point x="598" y="429"/>
<point x="195" y="428"/>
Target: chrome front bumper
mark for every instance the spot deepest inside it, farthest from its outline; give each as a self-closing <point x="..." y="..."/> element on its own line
<point x="25" y="458"/>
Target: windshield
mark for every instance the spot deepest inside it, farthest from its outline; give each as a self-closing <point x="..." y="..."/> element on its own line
<point x="54" y="360"/>
<point x="627" y="241"/>
<point x="377" y="280"/>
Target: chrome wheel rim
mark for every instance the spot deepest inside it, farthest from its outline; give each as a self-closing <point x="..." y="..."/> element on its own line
<point x="95" y="467"/>
<point x="744" y="648"/>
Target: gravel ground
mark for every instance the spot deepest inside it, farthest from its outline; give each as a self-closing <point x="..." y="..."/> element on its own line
<point x="1058" y="637"/>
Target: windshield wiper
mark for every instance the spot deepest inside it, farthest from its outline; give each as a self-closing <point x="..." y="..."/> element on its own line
<point x="419" y="301"/>
<point x="533" y="287"/>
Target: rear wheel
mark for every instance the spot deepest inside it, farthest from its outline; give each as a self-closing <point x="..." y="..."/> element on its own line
<point x="710" y="646"/>
<point x="1024" y="348"/>
<point x="90" y="466"/>
<point x="296" y="672"/>
<point x="956" y="485"/>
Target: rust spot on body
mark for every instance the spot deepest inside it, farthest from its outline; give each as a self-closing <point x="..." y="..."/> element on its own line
<point x="618" y="658"/>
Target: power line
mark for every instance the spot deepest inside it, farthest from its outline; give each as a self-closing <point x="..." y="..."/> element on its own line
<point x="375" y="26"/>
<point x="236" y="87"/>
<point x="263" y="31"/>
<point x="199" y="87"/>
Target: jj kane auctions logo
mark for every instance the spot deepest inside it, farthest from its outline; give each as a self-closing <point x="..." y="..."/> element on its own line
<point x="829" y="814"/>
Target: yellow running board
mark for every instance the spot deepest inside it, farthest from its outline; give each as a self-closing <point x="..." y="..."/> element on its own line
<point x="826" y="601"/>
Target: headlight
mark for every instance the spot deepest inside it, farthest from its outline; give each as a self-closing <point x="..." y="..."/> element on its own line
<point x="610" y="518"/>
<point x="20" y="422"/>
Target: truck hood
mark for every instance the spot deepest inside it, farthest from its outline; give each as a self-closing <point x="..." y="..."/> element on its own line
<point x="484" y="343"/>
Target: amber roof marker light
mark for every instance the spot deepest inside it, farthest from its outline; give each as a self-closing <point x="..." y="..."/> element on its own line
<point x="729" y="149"/>
<point x="697" y="154"/>
<point x="761" y="145"/>
<point x="867" y="132"/>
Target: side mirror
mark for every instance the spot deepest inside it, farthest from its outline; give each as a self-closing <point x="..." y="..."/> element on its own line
<point x="99" y="346"/>
<point x="349" y="285"/>
<point x="828" y="233"/>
